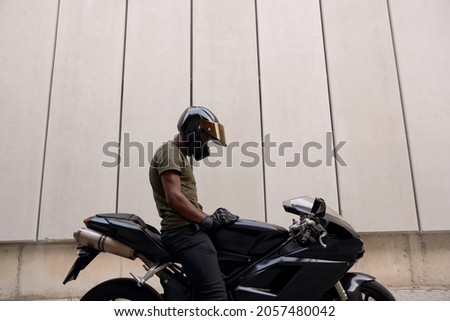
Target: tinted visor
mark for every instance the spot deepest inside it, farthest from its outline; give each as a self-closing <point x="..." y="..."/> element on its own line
<point x="215" y="130"/>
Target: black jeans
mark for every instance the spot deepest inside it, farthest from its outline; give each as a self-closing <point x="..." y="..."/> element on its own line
<point x="195" y="251"/>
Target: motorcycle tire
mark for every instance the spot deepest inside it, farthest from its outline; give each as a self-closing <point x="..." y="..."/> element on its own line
<point x="121" y="289"/>
<point x="375" y="291"/>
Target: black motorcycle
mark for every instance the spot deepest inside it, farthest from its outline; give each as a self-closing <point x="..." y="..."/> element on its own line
<point x="259" y="261"/>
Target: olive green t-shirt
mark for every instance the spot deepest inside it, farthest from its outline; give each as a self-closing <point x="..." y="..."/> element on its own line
<point x="169" y="157"/>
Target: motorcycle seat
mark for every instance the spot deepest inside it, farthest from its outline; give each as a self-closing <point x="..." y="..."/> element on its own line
<point x="131" y="230"/>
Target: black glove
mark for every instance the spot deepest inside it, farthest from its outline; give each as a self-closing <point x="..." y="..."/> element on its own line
<point x="219" y="218"/>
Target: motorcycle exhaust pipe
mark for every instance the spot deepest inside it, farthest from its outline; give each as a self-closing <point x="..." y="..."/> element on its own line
<point x="103" y="243"/>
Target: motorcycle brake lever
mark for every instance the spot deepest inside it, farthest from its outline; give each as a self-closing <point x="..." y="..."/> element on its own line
<point x="324" y="233"/>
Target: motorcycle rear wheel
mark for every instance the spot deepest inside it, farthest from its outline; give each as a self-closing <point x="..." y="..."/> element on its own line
<point x="121" y="289"/>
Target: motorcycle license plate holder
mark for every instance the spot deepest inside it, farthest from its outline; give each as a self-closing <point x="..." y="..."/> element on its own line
<point x="85" y="256"/>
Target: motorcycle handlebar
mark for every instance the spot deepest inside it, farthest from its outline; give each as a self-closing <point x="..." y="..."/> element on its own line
<point x="306" y="236"/>
<point x="308" y="227"/>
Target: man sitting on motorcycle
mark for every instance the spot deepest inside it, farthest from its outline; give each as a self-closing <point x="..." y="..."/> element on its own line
<point x="184" y="225"/>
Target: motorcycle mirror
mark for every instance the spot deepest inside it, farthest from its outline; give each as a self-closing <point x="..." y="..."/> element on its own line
<point x="319" y="207"/>
<point x="306" y="205"/>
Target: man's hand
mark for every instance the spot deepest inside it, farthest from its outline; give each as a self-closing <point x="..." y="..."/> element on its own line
<point x="219" y="218"/>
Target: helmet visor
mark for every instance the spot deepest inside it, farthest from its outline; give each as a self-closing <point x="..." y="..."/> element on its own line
<point x="215" y="130"/>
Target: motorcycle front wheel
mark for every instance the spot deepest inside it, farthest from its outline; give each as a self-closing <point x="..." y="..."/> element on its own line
<point x="375" y="291"/>
<point x="121" y="289"/>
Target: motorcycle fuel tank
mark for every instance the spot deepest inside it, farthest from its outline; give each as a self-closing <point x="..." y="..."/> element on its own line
<point x="249" y="238"/>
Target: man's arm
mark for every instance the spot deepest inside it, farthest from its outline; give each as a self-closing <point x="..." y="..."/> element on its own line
<point x="177" y="200"/>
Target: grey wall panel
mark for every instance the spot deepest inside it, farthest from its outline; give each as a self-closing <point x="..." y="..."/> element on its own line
<point x="27" y="35"/>
<point x="296" y="112"/>
<point x="84" y="115"/>
<point x="157" y="85"/>
<point x="421" y="33"/>
<point x="376" y="188"/>
<point x="225" y="78"/>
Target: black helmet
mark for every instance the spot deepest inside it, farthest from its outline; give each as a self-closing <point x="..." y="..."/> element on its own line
<point x="198" y="125"/>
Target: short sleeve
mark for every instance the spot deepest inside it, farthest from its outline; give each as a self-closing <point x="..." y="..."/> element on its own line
<point x="169" y="158"/>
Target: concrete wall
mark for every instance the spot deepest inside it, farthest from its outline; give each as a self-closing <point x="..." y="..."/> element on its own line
<point x="368" y="78"/>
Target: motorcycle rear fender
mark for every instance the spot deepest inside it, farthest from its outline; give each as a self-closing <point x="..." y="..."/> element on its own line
<point x="351" y="282"/>
<point x="85" y="256"/>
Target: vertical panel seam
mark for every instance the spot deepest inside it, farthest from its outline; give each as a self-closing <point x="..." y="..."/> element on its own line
<point x="191" y="55"/>
<point x="336" y="171"/>
<point x="122" y="91"/>
<point x="394" y="48"/>
<point x="50" y="94"/>
<point x="258" y="59"/>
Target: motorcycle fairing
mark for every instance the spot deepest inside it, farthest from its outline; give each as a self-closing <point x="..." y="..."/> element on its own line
<point x="286" y="278"/>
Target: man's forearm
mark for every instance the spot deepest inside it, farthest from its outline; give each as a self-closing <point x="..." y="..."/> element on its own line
<point x="180" y="203"/>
